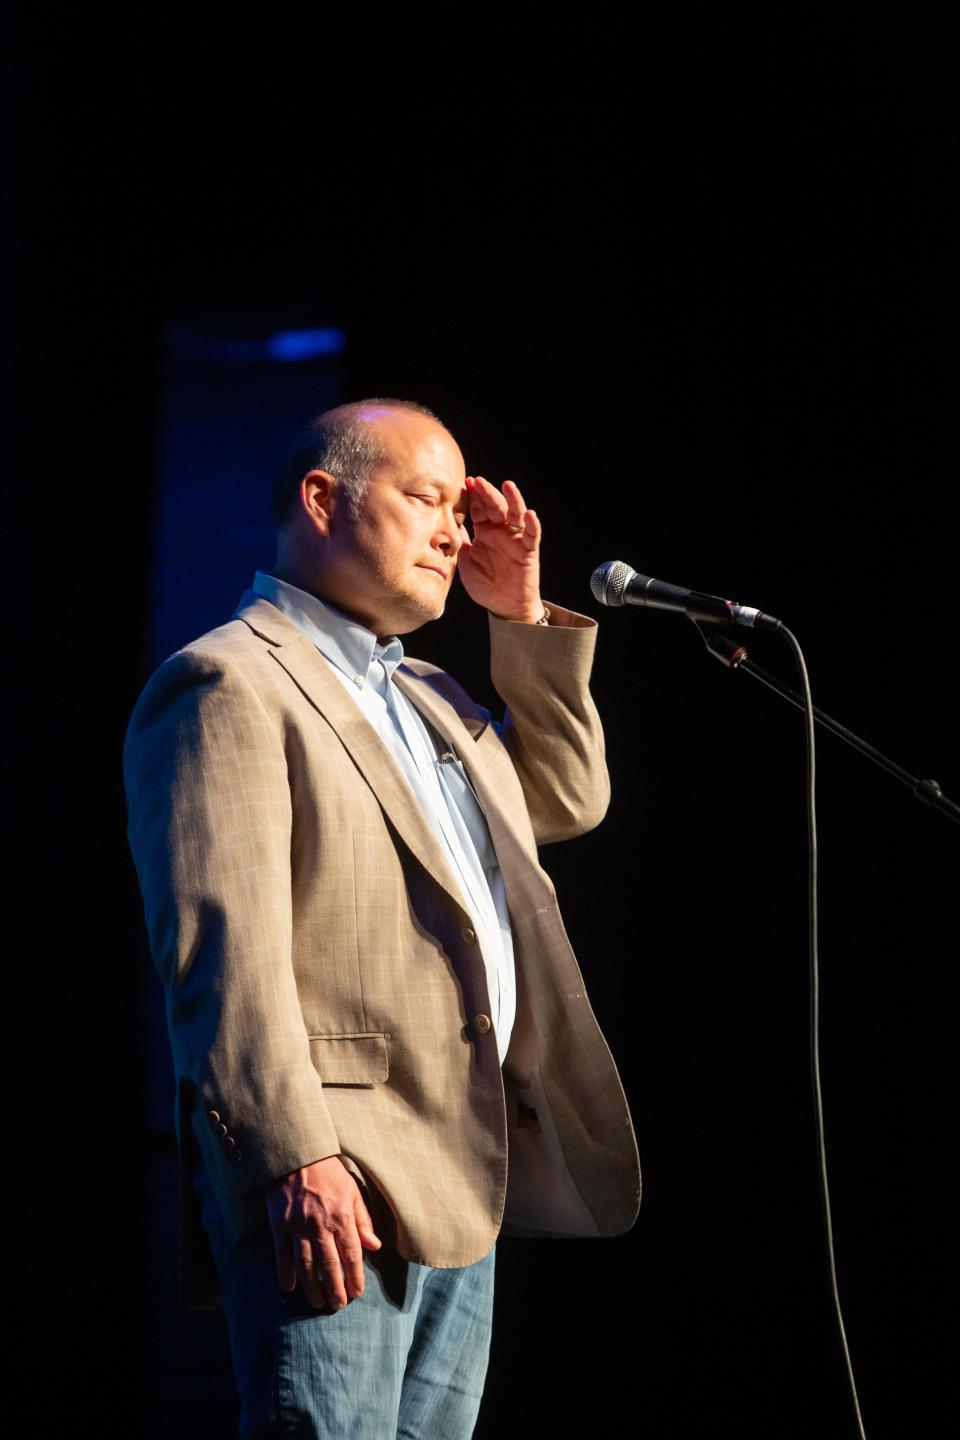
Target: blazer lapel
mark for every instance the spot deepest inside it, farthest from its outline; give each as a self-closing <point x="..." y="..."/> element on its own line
<point x="313" y="676"/>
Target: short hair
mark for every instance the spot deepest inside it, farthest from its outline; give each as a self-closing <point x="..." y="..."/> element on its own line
<point x="341" y="443"/>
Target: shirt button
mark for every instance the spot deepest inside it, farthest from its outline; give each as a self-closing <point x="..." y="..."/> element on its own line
<point x="358" y="680"/>
<point x="469" y="935"/>
<point x="482" y="1024"/>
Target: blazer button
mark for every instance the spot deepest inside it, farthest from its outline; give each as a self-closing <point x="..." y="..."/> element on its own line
<point x="213" y="1116"/>
<point x="237" y="1156"/>
<point x="469" y="935"/>
<point x="221" y="1129"/>
<point x="229" y="1141"/>
<point x="482" y="1024"/>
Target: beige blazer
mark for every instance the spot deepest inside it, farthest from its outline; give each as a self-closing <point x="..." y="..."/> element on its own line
<point x="325" y="990"/>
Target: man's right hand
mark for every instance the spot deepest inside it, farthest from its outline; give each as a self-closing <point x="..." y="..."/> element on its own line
<point x="320" y="1229"/>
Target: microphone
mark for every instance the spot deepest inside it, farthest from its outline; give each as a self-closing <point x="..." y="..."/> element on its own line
<point x="615" y="583"/>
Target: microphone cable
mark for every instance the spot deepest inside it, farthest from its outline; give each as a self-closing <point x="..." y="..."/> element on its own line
<point x="814" y="955"/>
<point x="615" y="583"/>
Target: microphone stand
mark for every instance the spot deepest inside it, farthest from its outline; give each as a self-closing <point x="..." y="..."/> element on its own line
<point x="735" y="657"/>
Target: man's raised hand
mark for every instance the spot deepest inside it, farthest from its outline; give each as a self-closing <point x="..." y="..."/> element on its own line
<point x="500" y="565"/>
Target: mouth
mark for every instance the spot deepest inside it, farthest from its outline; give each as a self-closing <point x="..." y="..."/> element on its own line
<point x="435" y="570"/>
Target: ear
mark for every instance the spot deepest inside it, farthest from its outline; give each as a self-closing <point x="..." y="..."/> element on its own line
<point x="317" y="499"/>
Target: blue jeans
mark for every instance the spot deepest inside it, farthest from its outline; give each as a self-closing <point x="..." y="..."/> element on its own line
<point x="408" y="1359"/>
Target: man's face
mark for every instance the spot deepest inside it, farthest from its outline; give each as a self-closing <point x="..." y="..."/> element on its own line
<point x="392" y="567"/>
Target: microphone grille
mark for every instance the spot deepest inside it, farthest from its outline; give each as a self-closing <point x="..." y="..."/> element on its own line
<point x="609" y="581"/>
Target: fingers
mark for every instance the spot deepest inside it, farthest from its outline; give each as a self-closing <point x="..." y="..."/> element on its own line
<point x="506" y="508"/>
<point x="329" y="1270"/>
<point x="344" y="1268"/>
<point x="328" y="1266"/>
<point x="515" y="506"/>
<point x="286" y="1269"/>
<point x="531" y="529"/>
<point x="320" y="1228"/>
<point x="486" y="502"/>
<point x="368" y="1237"/>
<point x="339" y="1275"/>
<point x="312" y="1280"/>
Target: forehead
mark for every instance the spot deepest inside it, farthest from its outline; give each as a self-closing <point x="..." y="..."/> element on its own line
<point x="415" y="445"/>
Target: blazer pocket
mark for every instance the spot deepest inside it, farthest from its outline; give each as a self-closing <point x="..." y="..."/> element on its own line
<point x="351" y="1059"/>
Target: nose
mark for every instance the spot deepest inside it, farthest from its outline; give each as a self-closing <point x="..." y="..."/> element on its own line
<point x="448" y="536"/>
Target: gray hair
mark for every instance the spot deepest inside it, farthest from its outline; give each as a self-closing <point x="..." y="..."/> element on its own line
<point x="344" y="444"/>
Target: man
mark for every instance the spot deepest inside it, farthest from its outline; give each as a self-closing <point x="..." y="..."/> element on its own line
<point x="381" y="1038"/>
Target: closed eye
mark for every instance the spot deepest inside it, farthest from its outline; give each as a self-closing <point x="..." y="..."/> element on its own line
<point x="460" y="516"/>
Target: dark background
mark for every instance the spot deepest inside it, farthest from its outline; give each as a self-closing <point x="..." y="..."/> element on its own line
<point x="690" y="280"/>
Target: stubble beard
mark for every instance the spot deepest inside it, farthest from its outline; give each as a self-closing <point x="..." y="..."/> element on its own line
<point x="409" y="608"/>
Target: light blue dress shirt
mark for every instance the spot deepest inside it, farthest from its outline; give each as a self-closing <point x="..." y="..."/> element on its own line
<point x="365" y="669"/>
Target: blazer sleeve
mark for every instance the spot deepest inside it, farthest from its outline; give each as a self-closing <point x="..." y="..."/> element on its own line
<point x="551" y="728"/>
<point x="210" y="827"/>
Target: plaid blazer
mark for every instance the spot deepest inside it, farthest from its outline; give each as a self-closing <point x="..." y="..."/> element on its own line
<point x="325" y="990"/>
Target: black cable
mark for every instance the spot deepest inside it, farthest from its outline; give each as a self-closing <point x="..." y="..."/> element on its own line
<point x="815" y="1012"/>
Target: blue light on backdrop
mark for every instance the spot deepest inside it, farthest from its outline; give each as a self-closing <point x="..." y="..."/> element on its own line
<point x="283" y="347"/>
<point x="305" y="344"/>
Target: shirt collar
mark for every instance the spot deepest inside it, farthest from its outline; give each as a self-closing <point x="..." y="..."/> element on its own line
<point x="347" y="645"/>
